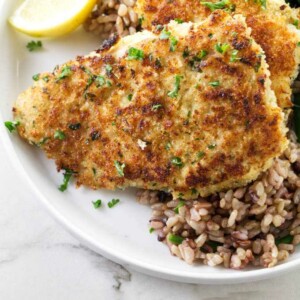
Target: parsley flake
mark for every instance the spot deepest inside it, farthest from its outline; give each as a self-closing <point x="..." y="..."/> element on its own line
<point x="59" y="135"/>
<point x="135" y="54"/>
<point x="120" y="168"/>
<point x="36" y="77"/>
<point x="180" y="204"/>
<point x="129" y="97"/>
<point x="165" y="35"/>
<point x="173" y="43"/>
<point x="233" y="57"/>
<point x="175" y="239"/>
<point x="176" y="161"/>
<point x="214" y="83"/>
<point x="97" y="203"/>
<point x="179" y="21"/>
<point x="65" y="72"/>
<point x="200" y="154"/>
<point x="34" y="45"/>
<point x="221" y="48"/>
<point x="151" y="229"/>
<point x="155" y="107"/>
<point x="174" y="93"/>
<point x="67" y="176"/>
<point x="218" y="5"/>
<point x="11" y="125"/>
<point x="113" y="202"/>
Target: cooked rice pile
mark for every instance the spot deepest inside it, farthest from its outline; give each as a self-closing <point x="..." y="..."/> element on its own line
<point x="258" y="224"/>
<point x="112" y="16"/>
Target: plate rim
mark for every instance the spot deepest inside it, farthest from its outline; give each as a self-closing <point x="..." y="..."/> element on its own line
<point x="127" y="260"/>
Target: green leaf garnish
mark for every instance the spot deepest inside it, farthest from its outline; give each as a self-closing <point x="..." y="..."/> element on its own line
<point x="214" y="83"/>
<point x="233" y="56"/>
<point x="66" y="72"/>
<point x="135" y="54"/>
<point x="97" y="203"/>
<point x="11" y="125"/>
<point x="36" y="77"/>
<point x="180" y="204"/>
<point x="120" y="168"/>
<point x="164" y="35"/>
<point x="179" y="21"/>
<point x="151" y="229"/>
<point x="176" y="161"/>
<point x="113" y="202"/>
<point x="175" y="239"/>
<point x="67" y="176"/>
<point x="200" y="154"/>
<point x="155" y="107"/>
<point x="59" y="135"/>
<point x="221" y="48"/>
<point x="174" y="93"/>
<point x="173" y="43"/>
<point x="217" y="5"/>
<point x="34" y="45"/>
<point x="288" y="239"/>
<point x="129" y="97"/>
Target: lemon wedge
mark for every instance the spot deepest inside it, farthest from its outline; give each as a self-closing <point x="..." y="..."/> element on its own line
<point x="50" y="18"/>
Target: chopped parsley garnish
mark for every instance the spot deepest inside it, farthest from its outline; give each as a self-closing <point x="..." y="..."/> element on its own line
<point x="211" y="146"/>
<point x="217" y="5"/>
<point x="233" y="56"/>
<point x="214" y="83"/>
<point x="194" y="191"/>
<point x="36" y="77"/>
<point x="34" y="45"/>
<point x="179" y="21"/>
<point x="263" y="3"/>
<point x="168" y="146"/>
<point x="42" y="141"/>
<point x="174" y="93"/>
<point x="135" y="54"/>
<point x="202" y="54"/>
<point x="120" y="168"/>
<point x="75" y="126"/>
<point x="176" y="161"/>
<point x="155" y="107"/>
<point x="298" y="44"/>
<point x="296" y="23"/>
<point x="97" y="203"/>
<point x="221" y="48"/>
<point x="288" y="239"/>
<point x="165" y="35"/>
<point x="173" y="43"/>
<point x="67" y="176"/>
<point x="141" y="20"/>
<point x="200" y="154"/>
<point x="11" y="125"/>
<point x="100" y="81"/>
<point x="66" y="72"/>
<point x="113" y="202"/>
<point x="108" y="69"/>
<point x="59" y="135"/>
<point x="175" y="239"/>
<point x="180" y="204"/>
<point x="210" y="35"/>
<point x="46" y="78"/>
<point x="151" y="229"/>
<point x="129" y="97"/>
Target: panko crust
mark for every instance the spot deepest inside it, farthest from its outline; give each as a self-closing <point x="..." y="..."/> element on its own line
<point x="220" y="128"/>
<point x="272" y="28"/>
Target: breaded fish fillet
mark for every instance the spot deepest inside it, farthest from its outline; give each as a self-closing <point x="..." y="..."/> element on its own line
<point x="187" y="109"/>
<point x="272" y="28"/>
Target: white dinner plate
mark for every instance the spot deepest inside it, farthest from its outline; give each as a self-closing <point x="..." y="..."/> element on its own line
<point x="120" y="233"/>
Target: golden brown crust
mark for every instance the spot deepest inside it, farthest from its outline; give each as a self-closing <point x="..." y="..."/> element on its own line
<point x="271" y="28"/>
<point x="224" y="124"/>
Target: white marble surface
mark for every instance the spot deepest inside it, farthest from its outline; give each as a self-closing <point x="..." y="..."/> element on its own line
<point x="40" y="260"/>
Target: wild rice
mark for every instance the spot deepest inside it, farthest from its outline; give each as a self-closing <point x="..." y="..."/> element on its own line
<point x="111" y="16"/>
<point x="258" y="224"/>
